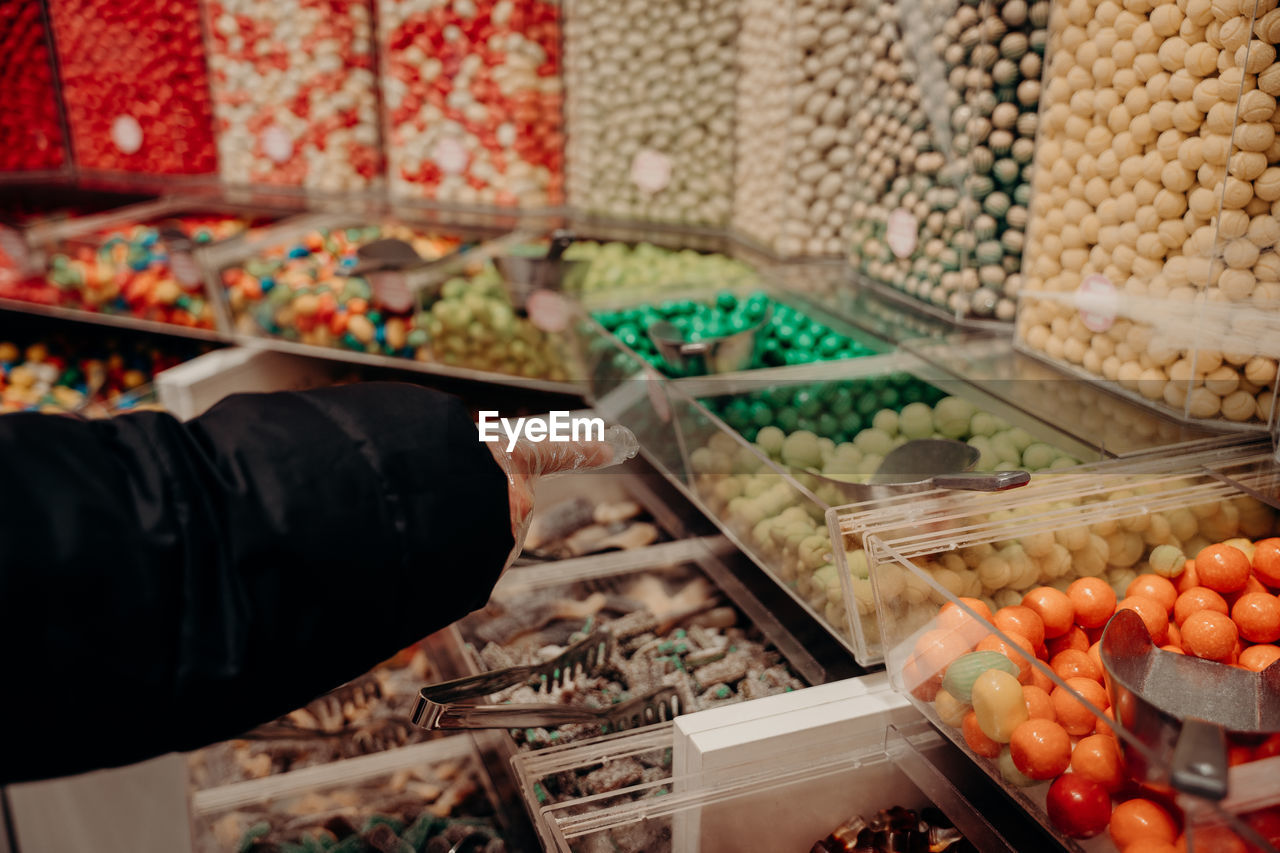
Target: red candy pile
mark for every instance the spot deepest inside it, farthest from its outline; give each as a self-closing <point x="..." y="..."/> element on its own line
<point x="135" y="86"/>
<point x="30" y="129"/>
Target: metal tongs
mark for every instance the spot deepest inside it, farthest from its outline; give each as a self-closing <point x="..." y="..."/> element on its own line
<point x="926" y="463"/>
<point x="452" y="705"/>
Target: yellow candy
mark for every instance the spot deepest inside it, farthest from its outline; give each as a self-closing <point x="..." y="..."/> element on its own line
<point x="998" y="704"/>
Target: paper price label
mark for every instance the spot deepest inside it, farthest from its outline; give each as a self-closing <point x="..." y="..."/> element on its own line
<point x="450" y="156"/>
<point x="903" y="233"/>
<point x="185" y="270"/>
<point x="126" y="134"/>
<point x="548" y="311"/>
<point x="277" y="144"/>
<point x="651" y="170"/>
<point x="391" y="290"/>
<point x="1097" y="302"/>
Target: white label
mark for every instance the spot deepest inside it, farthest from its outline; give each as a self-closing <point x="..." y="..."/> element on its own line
<point x="1097" y="302"/>
<point x="15" y="247"/>
<point x="126" y="133"/>
<point x="450" y="156"/>
<point x="391" y="290"/>
<point x="277" y="144"/>
<point x="902" y="233"/>
<point x="651" y="170"/>
<point x="548" y="311"/>
<point x="185" y="270"/>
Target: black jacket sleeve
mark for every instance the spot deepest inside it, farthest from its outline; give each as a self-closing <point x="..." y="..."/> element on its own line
<point x="165" y="585"/>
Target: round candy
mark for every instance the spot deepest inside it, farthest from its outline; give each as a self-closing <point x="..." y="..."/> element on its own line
<point x="1141" y="820"/>
<point x="1222" y="568"/>
<point x="1041" y="749"/>
<point x="1196" y="599"/>
<point x="1054" y="608"/>
<point x="1257" y="615"/>
<point x="1098" y="759"/>
<point x="1209" y="634"/>
<point x="1093" y="600"/>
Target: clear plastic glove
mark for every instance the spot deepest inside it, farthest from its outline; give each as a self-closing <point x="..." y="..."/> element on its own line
<point x="529" y="462"/>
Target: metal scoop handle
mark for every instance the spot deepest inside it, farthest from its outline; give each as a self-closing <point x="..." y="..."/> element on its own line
<point x="653" y="707"/>
<point x="973" y="481"/>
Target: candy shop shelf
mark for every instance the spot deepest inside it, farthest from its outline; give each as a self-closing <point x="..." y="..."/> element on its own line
<point x="411" y="790"/>
<point x="112" y="320"/>
<point x="785" y="805"/>
<point x="777" y="514"/>
<point x="1110" y="524"/>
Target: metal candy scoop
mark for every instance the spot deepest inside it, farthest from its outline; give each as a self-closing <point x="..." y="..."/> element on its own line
<point x="723" y="354"/>
<point x="1182" y="708"/>
<point x="923" y="464"/>
<point x="396" y="273"/>
<point x="525" y="276"/>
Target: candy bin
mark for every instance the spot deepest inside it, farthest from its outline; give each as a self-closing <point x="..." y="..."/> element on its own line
<point x="941" y="205"/>
<point x="1151" y="262"/>
<point x="135" y="86"/>
<point x="893" y="780"/>
<point x="294" y="95"/>
<point x="31" y="130"/>
<point x="768" y="459"/>
<point x="650" y="109"/>
<point x="140" y="262"/>
<point x="619" y="265"/>
<point x="992" y="620"/>
<point x="472" y="100"/>
<point x="797" y="88"/>
<point x="416" y="797"/>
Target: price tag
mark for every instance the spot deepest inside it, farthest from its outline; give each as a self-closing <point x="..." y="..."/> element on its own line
<point x="903" y="233"/>
<point x="277" y="144"/>
<point x="15" y="248"/>
<point x="1097" y="302"/>
<point x="548" y="311"/>
<point x="651" y="170"/>
<point x="185" y="270"/>
<point x="126" y="134"/>
<point x="392" y="291"/>
<point x="450" y="156"/>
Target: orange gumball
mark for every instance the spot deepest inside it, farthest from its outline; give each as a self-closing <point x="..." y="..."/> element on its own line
<point x="1196" y="599"/>
<point x="1223" y="568"/>
<point x="1175" y="635"/>
<point x="1209" y="635"/>
<point x="976" y="739"/>
<point x="1153" y="614"/>
<point x="1040" y="748"/>
<point x="1211" y="839"/>
<point x="1020" y="652"/>
<point x="1075" y="664"/>
<point x="1054" y="609"/>
<point x="1189" y="577"/>
<point x="1039" y="705"/>
<point x="1257" y="615"/>
<point x="1036" y="678"/>
<point x="1095" y="653"/>
<point x="1098" y="758"/>
<point x="970" y="628"/>
<point x="1139" y="820"/>
<point x="1093" y="600"/>
<point x="1075" y="638"/>
<point x="1177" y="650"/>
<point x="1076" y="717"/>
<point x="1258" y="658"/>
<point x="1020" y="620"/>
<point x="936" y="649"/>
<point x="1149" y="845"/>
<point x="1154" y="587"/>
<point x="1266" y="561"/>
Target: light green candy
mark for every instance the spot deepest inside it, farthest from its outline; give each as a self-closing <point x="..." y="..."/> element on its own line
<point x="1167" y="561"/>
<point x="916" y="420"/>
<point x="886" y="420"/>
<point x="801" y="450"/>
<point x="770" y="440"/>
<point x="873" y="441"/>
<point x="952" y="416"/>
<point x="1038" y="455"/>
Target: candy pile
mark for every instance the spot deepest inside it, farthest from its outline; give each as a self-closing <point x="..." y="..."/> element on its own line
<point x="434" y="808"/>
<point x="895" y="829"/>
<point x="294" y="93"/>
<point x="30" y="125"/>
<point x="672" y="629"/>
<point x="364" y="716"/>
<point x="472" y="96"/>
<point x="1220" y="605"/>
<point x="650" y="111"/>
<point x="788" y="337"/>
<point x="142" y="269"/>
<point x="1157" y="177"/>
<point x="797" y="87"/>
<point x="304" y="291"/>
<point x="135" y="85"/>
<point x="55" y="375"/>
<point x="623" y="266"/>
<point x="941" y="206"/>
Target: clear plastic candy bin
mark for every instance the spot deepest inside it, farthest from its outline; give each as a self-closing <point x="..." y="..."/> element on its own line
<point x="789" y="805"/>
<point x="1151" y="261"/>
<point x="939" y="578"/>
<point x="754" y="446"/>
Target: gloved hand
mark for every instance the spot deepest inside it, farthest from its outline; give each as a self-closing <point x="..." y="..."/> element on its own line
<point x="529" y="462"/>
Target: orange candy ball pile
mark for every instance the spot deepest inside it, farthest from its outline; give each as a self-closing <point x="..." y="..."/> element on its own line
<point x="1222" y="606"/>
